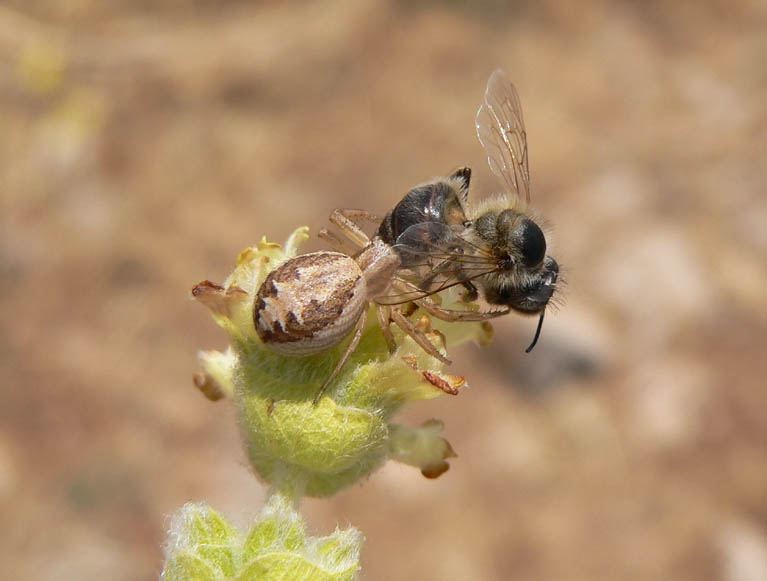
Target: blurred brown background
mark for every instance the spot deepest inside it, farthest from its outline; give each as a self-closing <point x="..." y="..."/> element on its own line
<point x="143" y="145"/>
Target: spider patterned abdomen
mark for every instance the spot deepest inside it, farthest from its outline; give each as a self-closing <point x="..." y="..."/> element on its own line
<point x="309" y="303"/>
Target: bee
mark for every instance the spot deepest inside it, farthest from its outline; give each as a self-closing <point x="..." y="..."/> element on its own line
<point x="495" y="248"/>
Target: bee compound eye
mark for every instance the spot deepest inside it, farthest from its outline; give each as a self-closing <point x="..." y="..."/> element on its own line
<point x="532" y="243"/>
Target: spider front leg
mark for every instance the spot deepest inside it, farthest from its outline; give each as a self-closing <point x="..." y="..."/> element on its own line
<point x="418" y="336"/>
<point x="345" y="219"/>
<point x="451" y="315"/>
<point x="336" y="242"/>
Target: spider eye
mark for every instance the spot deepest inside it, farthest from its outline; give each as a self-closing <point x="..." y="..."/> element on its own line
<point x="532" y="243"/>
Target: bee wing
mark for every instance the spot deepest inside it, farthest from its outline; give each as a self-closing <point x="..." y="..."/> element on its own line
<point x="431" y="243"/>
<point x="435" y="257"/>
<point x="427" y="242"/>
<point x="501" y="131"/>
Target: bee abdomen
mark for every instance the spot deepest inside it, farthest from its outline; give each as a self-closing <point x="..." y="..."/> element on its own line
<point x="424" y="203"/>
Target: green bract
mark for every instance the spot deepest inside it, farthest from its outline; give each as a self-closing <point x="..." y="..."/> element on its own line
<point x="203" y="546"/>
<point x="306" y="449"/>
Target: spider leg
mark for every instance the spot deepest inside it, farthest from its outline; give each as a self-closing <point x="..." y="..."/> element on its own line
<point x="358" y="328"/>
<point x="384" y="321"/>
<point x="336" y="242"/>
<point x="451" y="315"/>
<point x="356" y="215"/>
<point x="418" y="336"/>
<point x="345" y="219"/>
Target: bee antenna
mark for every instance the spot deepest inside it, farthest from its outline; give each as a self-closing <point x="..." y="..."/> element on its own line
<point x="537" y="333"/>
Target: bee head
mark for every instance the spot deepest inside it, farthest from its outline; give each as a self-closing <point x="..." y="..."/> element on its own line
<point x="527" y="278"/>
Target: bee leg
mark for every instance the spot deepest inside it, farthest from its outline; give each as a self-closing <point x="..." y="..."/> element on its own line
<point x="409" y="309"/>
<point x="384" y="321"/>
<point x="344" y="219"/>
<point x="443" y="268"/>
<point x="420" y="338"/>
<point x="358" y="328"/>
<point x="453" y="315"/>
<point x="335" y="242"/>
<point x="471" y="294"/>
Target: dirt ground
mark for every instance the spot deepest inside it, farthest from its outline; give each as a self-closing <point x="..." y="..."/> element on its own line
<point x="143" y="145"/>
